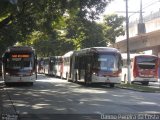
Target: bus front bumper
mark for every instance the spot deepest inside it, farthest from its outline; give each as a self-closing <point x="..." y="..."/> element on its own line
<point x="98" y="79"/>
<point x="11" y="79"/>
<point x="140" y="79"/>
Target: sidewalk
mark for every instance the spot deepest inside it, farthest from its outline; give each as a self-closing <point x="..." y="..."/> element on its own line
<point x="155" y="84"/>
<point x="6" y="106"/>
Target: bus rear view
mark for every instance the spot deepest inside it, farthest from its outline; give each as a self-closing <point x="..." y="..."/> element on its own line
<point x="145" y="69"/>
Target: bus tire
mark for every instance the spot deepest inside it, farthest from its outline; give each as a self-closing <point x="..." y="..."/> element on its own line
<point x="7" y="84"/>
<point x="86" y="83"/>
<point x="30" y="83"/>
<point x="145" y="83"/>
<point x="111" y="85"/>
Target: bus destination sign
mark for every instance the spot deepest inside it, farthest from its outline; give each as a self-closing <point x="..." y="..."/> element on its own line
<point x="20" y="55"/>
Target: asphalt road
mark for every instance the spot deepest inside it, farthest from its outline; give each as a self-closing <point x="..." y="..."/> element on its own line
<point x="53" y="98"/>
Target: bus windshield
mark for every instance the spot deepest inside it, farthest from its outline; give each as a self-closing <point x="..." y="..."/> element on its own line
<point x="107" y="62"/>
<point x="146" y="62"/>
<point x="19" y="63"/>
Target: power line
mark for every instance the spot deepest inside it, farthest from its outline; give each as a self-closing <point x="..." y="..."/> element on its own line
<point x="138" y="11"/>
<point x="152" y="3"/>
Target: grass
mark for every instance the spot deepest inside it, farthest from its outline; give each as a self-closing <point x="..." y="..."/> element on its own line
<point x="138" y="87"/>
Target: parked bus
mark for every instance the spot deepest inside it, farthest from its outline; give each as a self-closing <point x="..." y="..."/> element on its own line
<point x="40" y="65"/>
<point x="19" y="65"/>
<point x="46" y="66"/>
<point x="58" y="66"/>
<point x="95" y="65"/>
<point x="67" y="64"/>
<point x="144" y="68"/>
<point x="53" y="66"/>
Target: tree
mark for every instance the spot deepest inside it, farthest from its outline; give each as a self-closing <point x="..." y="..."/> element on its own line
<point x="20" y="21"/>
<point x="84" y="33"/>
<point x="77" y="13"/>
<point x="94" y="35"/>
<point x="113" y="27"/>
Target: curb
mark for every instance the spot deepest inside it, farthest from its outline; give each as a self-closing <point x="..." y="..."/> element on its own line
<point x="137" y="90"/>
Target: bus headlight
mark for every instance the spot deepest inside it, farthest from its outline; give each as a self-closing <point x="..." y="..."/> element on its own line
<point x="7" y="73"/>
<point x="94" y="73"/>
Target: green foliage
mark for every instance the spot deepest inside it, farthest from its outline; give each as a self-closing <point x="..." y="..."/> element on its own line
<point x="54" y="27"/>
<point x="84" y="33"/>
<point x="94" y="35"/>
<point x="88" y="9"/>
<point x="113" y="27"/>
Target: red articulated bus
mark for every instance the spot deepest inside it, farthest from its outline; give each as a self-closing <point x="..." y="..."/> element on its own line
<point x="93" y="65"/>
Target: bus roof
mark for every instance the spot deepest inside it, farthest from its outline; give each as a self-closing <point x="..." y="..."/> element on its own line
<point x="99" y="49"/>
<point x="20" y="49"/>
<point x="68" y="54"/>
<point x="92" y="49"/>
<point x="132" y="55"/>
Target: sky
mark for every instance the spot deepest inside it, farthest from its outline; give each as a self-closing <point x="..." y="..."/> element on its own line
<point x="119" y="7"/>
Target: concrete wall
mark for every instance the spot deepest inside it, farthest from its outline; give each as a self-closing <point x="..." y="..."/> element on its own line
<point x="156" y="51"/>
<point x="148" y="41"/>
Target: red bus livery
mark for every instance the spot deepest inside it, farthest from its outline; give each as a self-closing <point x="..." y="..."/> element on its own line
<point x="94" y="65"/>
<point x="144" y="68"/>
<point x="19" y="65"/>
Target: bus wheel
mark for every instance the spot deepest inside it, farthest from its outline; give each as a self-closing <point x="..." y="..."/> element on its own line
<point x="87" y="83"/>
<point x="7" y="84"/>
<point x="111" y="85"/>
<point x="145" y="83"/>
<point x="31" y="83"/>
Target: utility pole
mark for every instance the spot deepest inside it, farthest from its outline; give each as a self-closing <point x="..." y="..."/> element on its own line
<point x="141" y="24"/>
<point x="140" y="16"/>
<point x="127" y="39"/>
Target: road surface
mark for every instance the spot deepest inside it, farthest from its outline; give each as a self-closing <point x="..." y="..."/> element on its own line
<point x="50" y="97"/>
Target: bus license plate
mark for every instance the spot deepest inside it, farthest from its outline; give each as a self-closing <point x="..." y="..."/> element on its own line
<point x="107" y="80"/>
<point x="145" y="79"/>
